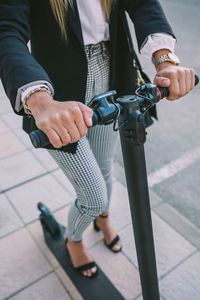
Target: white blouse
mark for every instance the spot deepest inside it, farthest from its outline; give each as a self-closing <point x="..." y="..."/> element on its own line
<point x="94" y="26"/>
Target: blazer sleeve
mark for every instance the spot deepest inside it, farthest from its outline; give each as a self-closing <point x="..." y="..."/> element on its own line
<point x="148" y="18"/>
<point x="17" y="66"/>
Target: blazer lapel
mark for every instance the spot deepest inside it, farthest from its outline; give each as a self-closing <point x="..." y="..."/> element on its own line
<point x="74" y="21"/>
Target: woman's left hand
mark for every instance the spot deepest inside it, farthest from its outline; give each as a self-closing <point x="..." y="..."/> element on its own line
<point x="179" y="80"/>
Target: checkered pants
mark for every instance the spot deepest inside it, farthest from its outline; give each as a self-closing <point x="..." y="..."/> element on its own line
<point x="89" y="170"/>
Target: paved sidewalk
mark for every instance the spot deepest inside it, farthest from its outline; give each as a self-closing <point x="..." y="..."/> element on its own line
<point x="28" y="269"/>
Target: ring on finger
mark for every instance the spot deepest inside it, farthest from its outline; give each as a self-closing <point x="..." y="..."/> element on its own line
<point x="66" y="136"/>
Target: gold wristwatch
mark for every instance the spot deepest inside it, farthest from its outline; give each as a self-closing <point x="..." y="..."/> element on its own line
<point x="170" y="57"/>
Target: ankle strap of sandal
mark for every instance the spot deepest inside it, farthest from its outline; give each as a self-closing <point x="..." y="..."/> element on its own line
<point x="103" y="216"/>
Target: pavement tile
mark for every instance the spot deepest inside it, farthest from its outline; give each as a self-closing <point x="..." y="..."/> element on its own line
<point x="60" y="176"/>
<point x="12" y="120"/>
<point x="171" y="248"/>
<point x="10" y="144"/>
<point x="119" y="176"/>
<point x="48" y="288"/>
<point x="179" y="223"/>
<point x="66" y="281"/>
<point x="119" y="207"/>
<point x="154" y="198"/>
<point x="45" y="158"/>
<point x="45" y="189"/>
<point x="119" y="270"/>
<point x="3" y="127"/>
<point x="128" y="244"/>
<point x="183" y="193"/>
<point x="21" y="263"/>
<point x="183" y="283"/>
<point x="9" y="220"/>
<point x="18" y="168"/>
<point x="23" y="136"/>
<point x="91" y="237"/>
<point x="141" y="298"/>
<point x="5" y="106"/>
<point x="118" y="169"/>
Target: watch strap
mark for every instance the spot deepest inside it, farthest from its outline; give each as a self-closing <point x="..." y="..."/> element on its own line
<point x="164" y="58"/>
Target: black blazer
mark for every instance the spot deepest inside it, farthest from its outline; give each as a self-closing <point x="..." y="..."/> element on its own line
<point x="63" y="63"/>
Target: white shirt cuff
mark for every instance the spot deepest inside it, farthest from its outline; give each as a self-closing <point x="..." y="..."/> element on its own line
<point x="25" y="89"/>
<point x="155" y="42"/>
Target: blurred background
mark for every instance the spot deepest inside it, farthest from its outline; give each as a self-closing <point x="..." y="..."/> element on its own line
<point x="29" y="271"/>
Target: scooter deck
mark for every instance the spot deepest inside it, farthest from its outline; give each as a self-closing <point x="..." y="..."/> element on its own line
<point x="97" y="288"/>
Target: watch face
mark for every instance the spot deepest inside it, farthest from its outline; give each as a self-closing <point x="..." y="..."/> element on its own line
<point x="174" y="58"/>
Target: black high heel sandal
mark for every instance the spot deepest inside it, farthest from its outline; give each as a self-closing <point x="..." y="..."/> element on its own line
<point x="113" y="242"/>
<point x="84" y="267"/>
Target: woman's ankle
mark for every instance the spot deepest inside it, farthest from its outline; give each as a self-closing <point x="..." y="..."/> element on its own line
<point x="74" y="242"/>
<point x="104" y="215"/>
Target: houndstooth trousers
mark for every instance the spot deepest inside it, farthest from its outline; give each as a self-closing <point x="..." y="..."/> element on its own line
<point x="89" y="169"/>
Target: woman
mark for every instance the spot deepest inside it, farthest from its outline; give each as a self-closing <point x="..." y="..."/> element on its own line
<point x="80" y="49"/>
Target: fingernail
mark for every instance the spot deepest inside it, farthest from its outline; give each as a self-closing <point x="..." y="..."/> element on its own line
<point x="90" y="120"/>
<point x="166" y="82"/>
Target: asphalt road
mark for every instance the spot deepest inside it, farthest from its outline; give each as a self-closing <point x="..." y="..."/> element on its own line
<point x="173" y="143"/>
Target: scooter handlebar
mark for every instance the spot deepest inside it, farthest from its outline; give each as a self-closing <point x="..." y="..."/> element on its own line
<point x="39" y="139"/>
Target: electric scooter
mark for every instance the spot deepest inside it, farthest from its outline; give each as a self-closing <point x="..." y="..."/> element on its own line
<point x="127" y="113"/>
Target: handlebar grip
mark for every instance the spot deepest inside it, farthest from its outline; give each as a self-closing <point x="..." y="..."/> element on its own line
<point x="165" y="91"/>
<point x="95" y="119"/>
<point x="39" y="139"/>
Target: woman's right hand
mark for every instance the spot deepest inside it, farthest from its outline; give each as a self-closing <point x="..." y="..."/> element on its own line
<point x="63" y="122"/>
